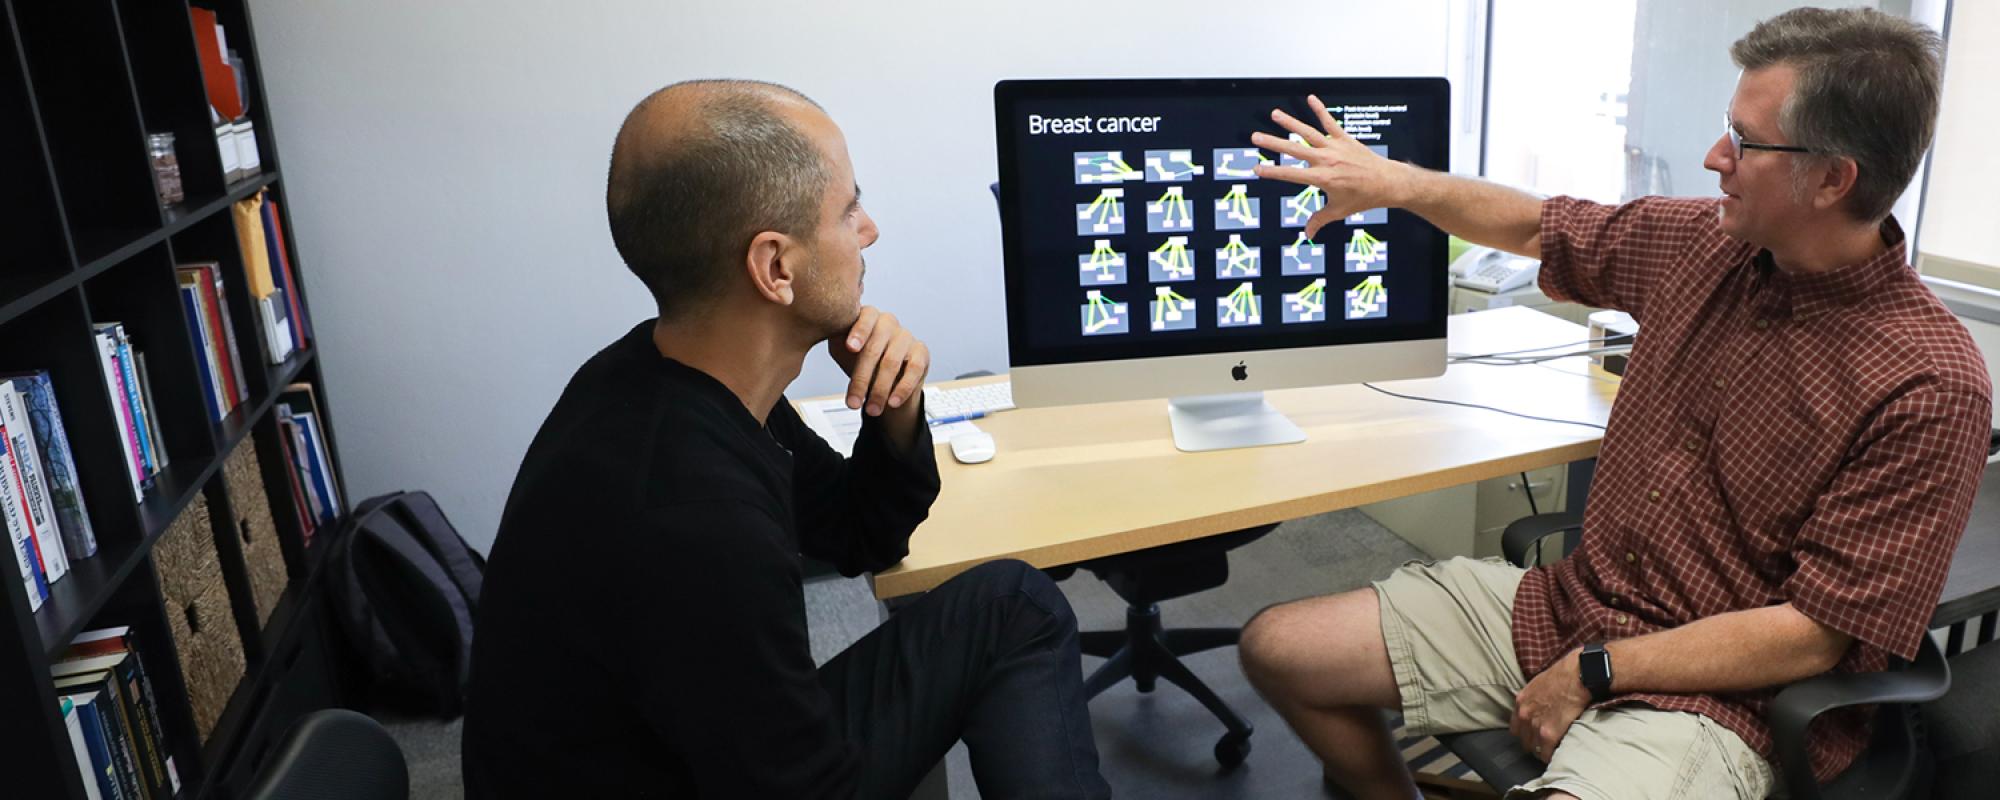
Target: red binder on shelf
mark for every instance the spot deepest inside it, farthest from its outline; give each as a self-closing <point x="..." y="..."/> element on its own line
<point x="216" y="74"/>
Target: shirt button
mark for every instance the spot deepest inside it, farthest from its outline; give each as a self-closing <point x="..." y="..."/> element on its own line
<point x="1691" y="445"/>
<point x="1631" y="557"/>
<point x="1614" y="599"/>
<point x="1719" y="383"/>
<point x="1623" y="619"/>
<point x="1653" y="495"/>
<point x="1762" y="324"/>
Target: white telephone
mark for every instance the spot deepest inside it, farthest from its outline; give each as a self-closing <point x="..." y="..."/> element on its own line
<point x="1488" y="270"/>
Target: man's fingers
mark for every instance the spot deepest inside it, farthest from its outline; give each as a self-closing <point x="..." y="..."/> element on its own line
<point x="863" y="327"/>
<point x="886" y="374"/>
<point x="1298" y="175"/>
<point x="1326" y="121"/>
<point x="1312" y="135"/>
<point x="1321" y="219"/>
<point x="915" y="366"/>
<point x="1285" y="146"/>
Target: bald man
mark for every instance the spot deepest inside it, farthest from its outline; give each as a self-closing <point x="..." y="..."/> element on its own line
<point x="643" y="629"/>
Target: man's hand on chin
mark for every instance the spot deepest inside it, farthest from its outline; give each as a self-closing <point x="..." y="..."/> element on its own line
<point x="886" y="366"/>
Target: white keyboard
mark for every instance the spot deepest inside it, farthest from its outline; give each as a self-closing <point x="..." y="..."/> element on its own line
<point x="984" y="398"/>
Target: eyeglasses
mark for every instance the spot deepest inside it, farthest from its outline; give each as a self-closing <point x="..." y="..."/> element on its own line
<point x="1737" y="145"/>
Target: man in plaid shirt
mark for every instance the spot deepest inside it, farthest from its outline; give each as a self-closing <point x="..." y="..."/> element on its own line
<point x="1786" y="472"/>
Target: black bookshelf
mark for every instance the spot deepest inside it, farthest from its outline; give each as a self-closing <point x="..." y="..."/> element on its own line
<point x="83" y="239"/>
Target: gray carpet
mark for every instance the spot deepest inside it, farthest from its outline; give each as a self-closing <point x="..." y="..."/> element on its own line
<point x="1156" y="745"/>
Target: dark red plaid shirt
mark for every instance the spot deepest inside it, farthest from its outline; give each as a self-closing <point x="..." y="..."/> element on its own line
<point x="1812" y="439"/>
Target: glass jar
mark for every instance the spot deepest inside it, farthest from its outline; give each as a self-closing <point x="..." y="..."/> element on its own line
<point x="166" y="168"/>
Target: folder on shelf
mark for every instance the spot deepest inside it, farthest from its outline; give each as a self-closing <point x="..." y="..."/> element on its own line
<point x="216" y="73"/>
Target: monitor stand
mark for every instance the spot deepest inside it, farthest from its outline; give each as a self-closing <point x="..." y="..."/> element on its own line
<point x="1226" y="421"/>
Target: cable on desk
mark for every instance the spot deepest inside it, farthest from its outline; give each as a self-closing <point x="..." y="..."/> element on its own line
<point x="1485" y="408"/>
<point x="1620" y="340"/>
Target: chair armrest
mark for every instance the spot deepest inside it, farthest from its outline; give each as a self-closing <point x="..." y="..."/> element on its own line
<point x="1799" y="704"/>
<point x="1522" y="534"/>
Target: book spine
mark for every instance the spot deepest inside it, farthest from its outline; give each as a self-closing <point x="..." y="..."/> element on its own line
<point x="198" y="333"/>
<point x="151" y="708"/>
<point x="302" y="330"/>
<point x="32" y="574"/>
<point x="302" y="463"/>
<point x="160" y="458"/>
<point x="124" y="743"/>
<point x="103" y="767"/>
<point x="140" y="717"/>
<point x="40" y="397"/>
<point x="228" y="325"/>
<point x="114" y="383"/>
<point x="128" y="372"/>
<point x="209" y="283"/>
<point x="27" y="460"/>
<point x="80" y="749"/>
<point x="307" y="523"/>
<point x="321" y="486"/>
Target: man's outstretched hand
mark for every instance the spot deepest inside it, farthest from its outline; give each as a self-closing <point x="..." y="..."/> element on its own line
<point x="1352" y="177"/>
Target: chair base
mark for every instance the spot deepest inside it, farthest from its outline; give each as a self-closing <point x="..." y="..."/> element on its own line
<point x="1145" y="653"/>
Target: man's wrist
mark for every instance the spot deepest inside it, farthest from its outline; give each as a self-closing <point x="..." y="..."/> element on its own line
<point x="1593" y="667"/>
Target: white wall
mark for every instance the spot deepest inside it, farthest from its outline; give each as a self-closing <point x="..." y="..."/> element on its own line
<point x="445" y="164"/>
<point x="1959" y="209"/>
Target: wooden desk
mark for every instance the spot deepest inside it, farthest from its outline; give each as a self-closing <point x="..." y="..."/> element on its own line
<point x="1972" y="589"/>
<point x="1080" y="482"/>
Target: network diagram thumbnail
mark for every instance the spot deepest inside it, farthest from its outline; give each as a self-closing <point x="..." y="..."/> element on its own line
<point x="1102" y="267"/>
<point x="1241" y="308"/>
<point x="1236" y="210"/>
<point x="1300" y="207"/>
<point x="1102" y="316"/>
<point x="1171" y="213"/>
<point x="1170" y="262"/>
<point x="1104" y="166"/>
<point x="1303" y="257"/>
<point x="1238" y="260"/>
<point x="1104" y="216"/>
<point x="1288" y="161"/>
<point x="1368" y="299"/>
<point x="1171" y="311"/>
<point x="1172" y="166"/>
<point x="1307" y="304"/>
<point x="1237" y="163"/>
<point x="1365" y="253"/>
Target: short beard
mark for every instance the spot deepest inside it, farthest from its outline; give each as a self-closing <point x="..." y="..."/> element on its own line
<point x="820" y="307"/>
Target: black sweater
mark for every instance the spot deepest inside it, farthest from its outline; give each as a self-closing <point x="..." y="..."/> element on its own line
<point x="643" y="627"/>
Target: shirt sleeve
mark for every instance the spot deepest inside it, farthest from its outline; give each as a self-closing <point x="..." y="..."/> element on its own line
<point x="731" y="681"/>
<point x="857" y="513"/>
<point x="1872" y="558"/>
<point x="1613" y="256"/>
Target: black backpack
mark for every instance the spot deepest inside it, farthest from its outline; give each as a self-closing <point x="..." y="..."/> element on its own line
<point x="405" y="588"/>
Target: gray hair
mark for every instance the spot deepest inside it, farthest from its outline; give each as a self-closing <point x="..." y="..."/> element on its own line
<point x="1867" y="89"/>
<point x="685" y="202"/>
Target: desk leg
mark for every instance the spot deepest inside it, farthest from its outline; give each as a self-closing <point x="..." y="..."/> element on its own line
<point x="1581" y="473"/>
<point x="936" y="785"/>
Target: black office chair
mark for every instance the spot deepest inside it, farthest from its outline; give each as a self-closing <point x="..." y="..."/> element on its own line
<point x="1897" y="764"/>
<point x="1145" y="651"/>
<point x="334" y="754"/>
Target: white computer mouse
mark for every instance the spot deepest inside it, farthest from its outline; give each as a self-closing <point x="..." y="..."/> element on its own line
<point x="972" y="448"/>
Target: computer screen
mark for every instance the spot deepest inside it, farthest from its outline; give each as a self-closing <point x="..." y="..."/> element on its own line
<point x="1134" y="227"/>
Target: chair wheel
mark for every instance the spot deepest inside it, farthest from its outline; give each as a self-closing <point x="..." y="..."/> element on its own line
<point x="1232" y="748"/>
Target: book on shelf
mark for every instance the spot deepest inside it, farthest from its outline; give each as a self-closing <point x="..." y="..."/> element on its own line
<point x="131" y="401"/>
<point x="211" y="329"/>
<point x="26" y="554"/>
<point x="23" y="466"/>
<point x="302" y="435"/>
<point x="88" y="729"/>
<point x="270" y="287"/>
<point x="274" y="228"/>
<point x="38" y="395"/>
<point x="110" y="656"/>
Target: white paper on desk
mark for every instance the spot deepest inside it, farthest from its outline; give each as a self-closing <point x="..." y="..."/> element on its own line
<point x="838" y="425"/>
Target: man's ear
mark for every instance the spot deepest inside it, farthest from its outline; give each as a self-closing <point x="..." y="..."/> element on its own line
<point x="773" y="262"/>
<point x="1837" y="176"/>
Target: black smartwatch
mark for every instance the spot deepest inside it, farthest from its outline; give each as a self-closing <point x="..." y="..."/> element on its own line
<point x="1595" y="670"/>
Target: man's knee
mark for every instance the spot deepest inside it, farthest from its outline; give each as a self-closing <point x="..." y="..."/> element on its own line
<point x="1318" y="651"/>
<point x="1009" y="577"/>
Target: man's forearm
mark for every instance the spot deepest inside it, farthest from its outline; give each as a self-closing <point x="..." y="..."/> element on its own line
<point x="1478" y="211"/>
<point x="1737" y="651"/>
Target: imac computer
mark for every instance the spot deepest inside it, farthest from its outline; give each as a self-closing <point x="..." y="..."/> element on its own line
<point x="1144" y="257"/>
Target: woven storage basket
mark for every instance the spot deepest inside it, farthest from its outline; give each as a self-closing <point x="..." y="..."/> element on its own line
<point x="186" y="554"/>
<point x="198" y="612"/>
<point x="256" y="529"/>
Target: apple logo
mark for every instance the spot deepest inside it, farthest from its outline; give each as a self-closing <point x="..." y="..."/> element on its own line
<point x="1239" y="372"/>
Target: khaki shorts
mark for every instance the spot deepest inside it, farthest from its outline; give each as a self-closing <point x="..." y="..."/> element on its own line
<point x="1449" y="628"/>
